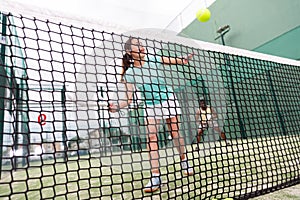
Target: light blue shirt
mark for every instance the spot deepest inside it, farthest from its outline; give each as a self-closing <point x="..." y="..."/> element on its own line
<point x="150" y="80"/>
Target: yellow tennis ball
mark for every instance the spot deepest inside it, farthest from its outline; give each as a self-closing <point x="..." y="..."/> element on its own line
<point x="203" y="15"/>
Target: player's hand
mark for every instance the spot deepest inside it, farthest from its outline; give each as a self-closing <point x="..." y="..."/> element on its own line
<point x="187" y="59"/>
<point x="113" y="108"/>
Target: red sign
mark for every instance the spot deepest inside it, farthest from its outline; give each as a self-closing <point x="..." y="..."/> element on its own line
<point x="42" y="119"/>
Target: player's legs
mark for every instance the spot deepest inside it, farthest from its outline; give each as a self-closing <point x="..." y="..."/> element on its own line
<point x="200" y="133"/>
<point x="201" y="128"/>
<point x="171" y="111"/>
<point x="152" y="146"/>
<point x="221" y="133"/>
<point x="173" y="126"/>
<point x="199" y="136"/>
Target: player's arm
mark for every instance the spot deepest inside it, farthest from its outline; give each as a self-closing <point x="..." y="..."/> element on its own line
<point x="123" y="102"/>
<point x="214" y="113"/>
<point x="176" y="60"/>
<point x="197" y="115"/>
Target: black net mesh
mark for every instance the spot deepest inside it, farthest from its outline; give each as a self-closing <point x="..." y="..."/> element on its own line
<point x="181" y="123"/>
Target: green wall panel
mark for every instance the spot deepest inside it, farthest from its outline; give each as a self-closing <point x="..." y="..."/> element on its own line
<point x="285" y="45"/>
<point x="253" y="24"/>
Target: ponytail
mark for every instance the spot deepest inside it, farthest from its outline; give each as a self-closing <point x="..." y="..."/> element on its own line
<point x="127" y="61"/>
<point x="127" y="58"/>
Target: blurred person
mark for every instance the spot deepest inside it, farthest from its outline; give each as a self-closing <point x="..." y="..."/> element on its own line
<point x="207" y="117"/>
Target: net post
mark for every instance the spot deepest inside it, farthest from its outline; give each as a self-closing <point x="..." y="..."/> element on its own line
<point x="2" y="88"/>
<point x="16" y="131"/>
<point x="2" y="94"/>
<point x="25" y="109"/>
<point x="64" y="125"/>
<point x="25" y="140"/>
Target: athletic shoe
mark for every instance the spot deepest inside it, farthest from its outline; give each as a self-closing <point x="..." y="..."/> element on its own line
<point x="187" y="169"/>
<point x="197" y="148"/>
<point x="228" y="143"/>
<point x="153" y="184"/>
